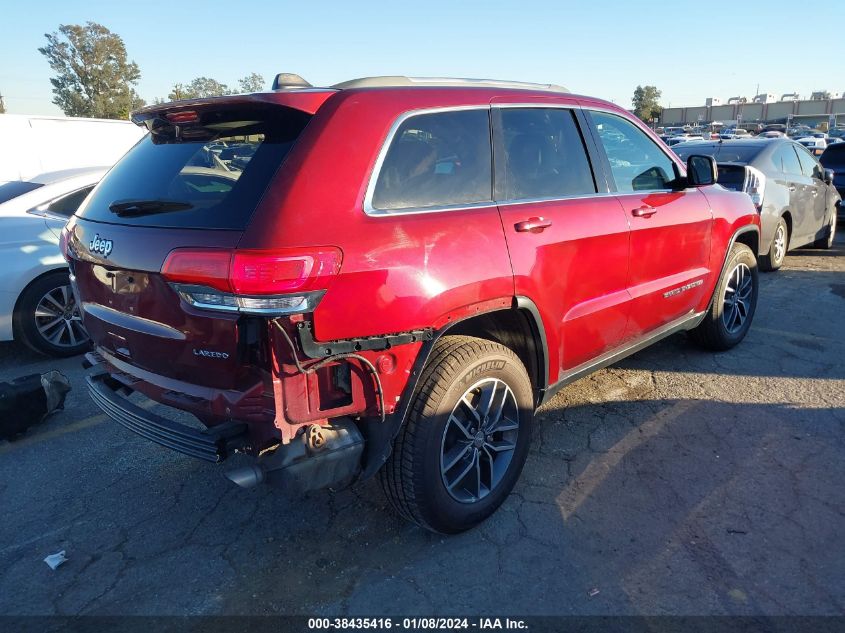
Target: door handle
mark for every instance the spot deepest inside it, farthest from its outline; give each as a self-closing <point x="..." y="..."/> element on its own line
<point x="644" y="212"/>
<point x="532" y="225"/>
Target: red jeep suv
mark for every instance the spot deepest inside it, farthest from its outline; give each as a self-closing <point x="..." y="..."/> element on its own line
<point x="390" y="275"/>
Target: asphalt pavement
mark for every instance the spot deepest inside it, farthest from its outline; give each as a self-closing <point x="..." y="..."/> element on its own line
<point x="676" y="482"/>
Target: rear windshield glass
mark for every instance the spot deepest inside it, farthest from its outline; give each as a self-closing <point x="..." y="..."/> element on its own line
<point x="14" y="189"/>
<point x="721" y="152"/>
<point x="209" y="173"/>
<point x="732" y="177"/>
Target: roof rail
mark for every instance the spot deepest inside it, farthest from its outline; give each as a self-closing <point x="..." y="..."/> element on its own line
<point x="442" y="82"/>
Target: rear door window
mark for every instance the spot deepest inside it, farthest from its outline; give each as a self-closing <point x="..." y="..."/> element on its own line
<point x="543" y="155"/>
<point x="787" y="161"/>
<point x="67" y="205"/>
<point x="437" y="159"/>
<point x="636" y="161"/>
<point x="205" y="173"/>
<point x="809" y="165"/>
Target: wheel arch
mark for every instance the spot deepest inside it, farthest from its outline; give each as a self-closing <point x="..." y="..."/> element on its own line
<point x="518" y="327"/>
<point x="30" y="283"/>
<point x="748" y="235"/>
<point x="786" y="214"/>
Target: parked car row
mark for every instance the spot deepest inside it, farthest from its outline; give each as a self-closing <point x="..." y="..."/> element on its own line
<point x="793" y="193"/>
<point x="814" y="140"/>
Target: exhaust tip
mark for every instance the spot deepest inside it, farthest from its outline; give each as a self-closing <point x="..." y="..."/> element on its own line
<point x="246" y="477"/>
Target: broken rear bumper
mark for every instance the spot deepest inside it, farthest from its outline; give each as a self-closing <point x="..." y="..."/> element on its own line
<point x="213" y="445"/>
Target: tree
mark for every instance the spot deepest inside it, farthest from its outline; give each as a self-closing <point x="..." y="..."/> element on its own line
<point x="199" y="88"/>
<point x="93" y="76"/>
<point x="2" y="105"/>
<point x="646" y="102"/>
<point x="251" y="83"/>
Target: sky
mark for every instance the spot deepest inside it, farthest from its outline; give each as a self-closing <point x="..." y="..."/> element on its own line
<point x="603" y="48"/>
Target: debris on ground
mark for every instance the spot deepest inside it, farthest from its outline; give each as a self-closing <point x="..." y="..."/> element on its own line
<point x="54" y="560"/>
<point x="594" y="591"/>
<point x="27" y="400"/>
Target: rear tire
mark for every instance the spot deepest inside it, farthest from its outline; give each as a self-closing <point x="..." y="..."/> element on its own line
<point x="734" y="303"/>
<point x="827" y="242"/>
<point x="47" y="318"/>
<point x="457" y="458"/>
<point x="777" y="249"/>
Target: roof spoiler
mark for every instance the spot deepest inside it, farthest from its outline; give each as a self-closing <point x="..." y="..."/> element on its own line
<point x="289" y="80"/>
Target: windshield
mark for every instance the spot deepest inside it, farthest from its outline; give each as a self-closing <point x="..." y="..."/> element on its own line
<point x="16" y="188"/>
<point x="208" y="173"/>
<point x="722" y="152"/>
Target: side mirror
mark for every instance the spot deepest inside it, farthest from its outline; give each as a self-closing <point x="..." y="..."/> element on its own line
<point x="828" y="176"/>
<point x="701" y="171"/>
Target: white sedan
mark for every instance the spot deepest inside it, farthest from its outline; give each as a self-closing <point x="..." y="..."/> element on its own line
<point x="815" y="143"/>
<point x="36" y="302"/>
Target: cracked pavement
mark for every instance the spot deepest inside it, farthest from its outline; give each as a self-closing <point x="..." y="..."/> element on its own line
<point x="676" y="482"/>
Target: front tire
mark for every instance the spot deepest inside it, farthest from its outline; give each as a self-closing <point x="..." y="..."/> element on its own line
<point x="47" y="318"/>
<point x="734" y="303"/>
<point x="777" y="250"/>
<point x="466" y="438"/>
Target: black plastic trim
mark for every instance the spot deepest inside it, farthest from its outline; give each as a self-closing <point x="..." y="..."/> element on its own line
<point x="315" y="349"/>
<point x="615" y="355"/>
<point x="208" y="446"/>
<point x="748" y="228"/>
<point x="539" y="331"/>
<point x="380" y="436"/>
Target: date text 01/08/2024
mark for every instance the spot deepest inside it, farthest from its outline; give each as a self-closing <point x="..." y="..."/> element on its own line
<point x="413" y="624"/>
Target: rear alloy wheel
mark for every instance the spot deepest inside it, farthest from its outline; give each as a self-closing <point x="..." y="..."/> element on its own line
<point x="47" y="317"/>
<point x="463" y="446"/>
<point x="827" y="242"/>
<point x="777" y="250"/>
<point x="479" y="440"/>
<point x="734" y="303"/>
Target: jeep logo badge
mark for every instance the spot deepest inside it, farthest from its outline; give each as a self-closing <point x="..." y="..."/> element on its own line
<point x="101" y="246"/>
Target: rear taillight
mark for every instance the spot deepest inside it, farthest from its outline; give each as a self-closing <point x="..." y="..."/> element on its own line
<point x="282" y="281"/>
<point x="63" y="237"/>
<point x="271" y="272"/>
<point x="755" y="186"/>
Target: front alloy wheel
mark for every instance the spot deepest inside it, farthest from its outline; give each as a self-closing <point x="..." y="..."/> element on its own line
<point x="731" y="310"/>
<point x="773" y="259"/>
<point x="737" y="298"/>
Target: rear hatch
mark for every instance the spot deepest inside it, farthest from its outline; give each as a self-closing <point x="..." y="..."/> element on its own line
<point x="192" y="183"/>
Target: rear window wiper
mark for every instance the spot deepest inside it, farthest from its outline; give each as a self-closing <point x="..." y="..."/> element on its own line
<point x="134" y="208"/>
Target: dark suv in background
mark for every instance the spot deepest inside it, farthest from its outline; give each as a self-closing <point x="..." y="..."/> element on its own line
<point x="392" y="274"/>
<point x="833" y="159"/>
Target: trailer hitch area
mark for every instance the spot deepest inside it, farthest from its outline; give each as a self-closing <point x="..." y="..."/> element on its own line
<point x="320" y="457"/>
